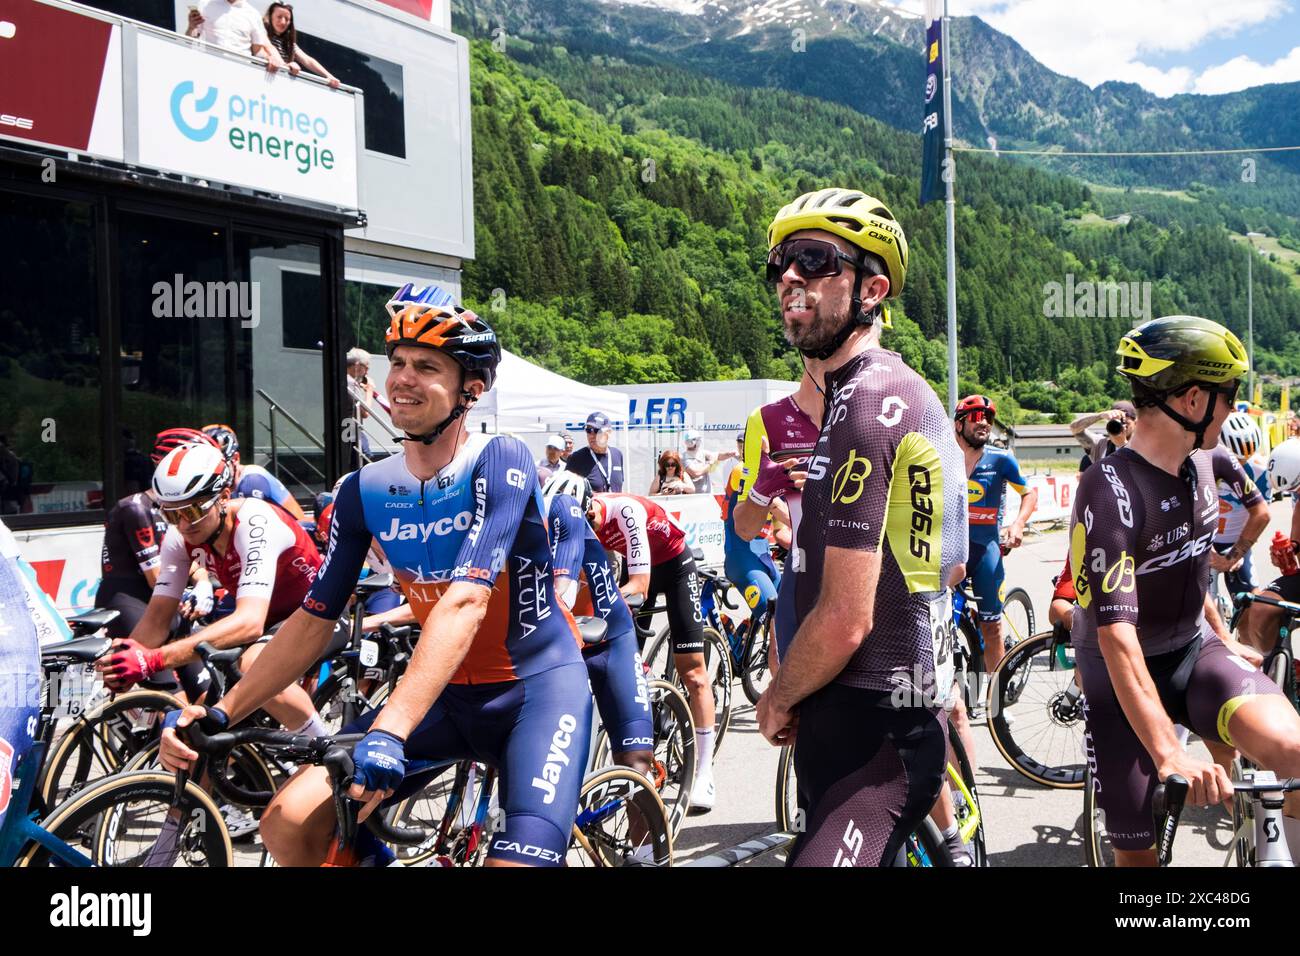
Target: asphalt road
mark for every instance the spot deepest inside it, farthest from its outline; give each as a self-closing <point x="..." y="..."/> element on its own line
<point x="1026" y="824"/>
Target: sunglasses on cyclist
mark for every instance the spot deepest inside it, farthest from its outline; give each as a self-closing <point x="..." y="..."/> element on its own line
<point x="978" y="415"/>
<point x="193" y="512"/>
<point x="816" y="259"/>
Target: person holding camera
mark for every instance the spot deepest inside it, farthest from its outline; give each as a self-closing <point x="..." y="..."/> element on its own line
<point x="362" y="393"/>
<point x="1119" y="418"/>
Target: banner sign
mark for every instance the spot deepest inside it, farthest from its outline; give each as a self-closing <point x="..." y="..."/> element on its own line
<point x="932" y="127"/>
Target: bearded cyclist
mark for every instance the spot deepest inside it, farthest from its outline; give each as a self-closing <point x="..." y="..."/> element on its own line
<point x="988" y="472"/>
<point x="882" y="534"/>
<point x="658" y="562"/>
<point x="1140" y="539"/>
<point x="496" y="675"/>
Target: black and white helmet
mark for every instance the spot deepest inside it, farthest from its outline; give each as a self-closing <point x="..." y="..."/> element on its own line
<point x="192" y="472"/>
<point x="1284" y="467"/>
<point x="567" y="483"/>
<point x="1240" y="434"/>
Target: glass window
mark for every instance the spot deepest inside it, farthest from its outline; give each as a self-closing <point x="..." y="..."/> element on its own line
<point x="161" y="13"/>
<point x="283" y="351"/>
<point x="179" y="314"/>
<point x="365" y="315"/>
<point x="380" y="80"/>
<point x="51" y="458"/>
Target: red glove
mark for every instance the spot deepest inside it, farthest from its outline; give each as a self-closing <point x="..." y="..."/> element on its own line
<point x="773" y="480"/>
<point x="129" y="664"/>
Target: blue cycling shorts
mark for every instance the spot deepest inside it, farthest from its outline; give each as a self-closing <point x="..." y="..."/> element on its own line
<point x="536" y="732"/>
<point x="986" y="576"/>
<point x="754" y="575"/>
<point x="619" y="684"/>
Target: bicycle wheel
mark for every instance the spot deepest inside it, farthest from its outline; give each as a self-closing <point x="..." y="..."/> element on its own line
<point x="1096" y="840"/>
<point x="788" y="818"/>
<point x="621" y="822"/>
<point x="717" y="662"/>
<point x="966" y="800"/>
<point x="673" y="770"/>
<point x="1017" y="617"/>
<point x="1036" y="712"/>
<point x="100" y="742"/>
<point x="117" y="821"/>
<point x="447" y="805"/>
<point x="755" y="675"/>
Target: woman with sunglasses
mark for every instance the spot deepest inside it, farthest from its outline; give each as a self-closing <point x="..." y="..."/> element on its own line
<point x="259" y="553"/>
<point x="671" y="480"/>
<point x="283" y="35"/>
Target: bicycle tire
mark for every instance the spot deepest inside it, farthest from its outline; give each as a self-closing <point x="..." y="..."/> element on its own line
<point x="661" y="665"/>
<point x="979" y="848"/>
<point x="255" y="772"/>
<point x="428" y="810"/>
<point x="1096" y="843"/>
<point x="1018" y="625"/>
<point x="755" y="675"/>
<point x="87" y="744"/>
<point x="787" y="803"/>
<point x="603" y="820"/>
<point x="83" y="816"/>
<point x="1041" y="709"/>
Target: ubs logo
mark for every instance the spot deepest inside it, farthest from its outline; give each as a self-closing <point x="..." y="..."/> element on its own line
<point x="847" y="485"/>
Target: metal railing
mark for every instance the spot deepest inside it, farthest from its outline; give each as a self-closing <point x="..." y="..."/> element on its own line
<point x="275" y="409"/>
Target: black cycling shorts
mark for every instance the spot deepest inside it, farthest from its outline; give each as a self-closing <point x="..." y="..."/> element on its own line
<point x="1287" y="587"/>
<point x="678" y="579"/>
<point x="868" y="774"/>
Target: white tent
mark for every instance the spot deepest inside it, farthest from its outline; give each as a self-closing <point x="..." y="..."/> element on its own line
<point x="529" y="398"/>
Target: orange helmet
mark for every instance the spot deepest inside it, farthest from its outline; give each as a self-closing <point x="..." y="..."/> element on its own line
<point x="430" y="318"/>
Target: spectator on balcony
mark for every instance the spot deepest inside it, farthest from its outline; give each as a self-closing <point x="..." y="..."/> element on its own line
<point x="364" y="396"/>
<point x="284" y="37"/>
<point x="234" y="25"/>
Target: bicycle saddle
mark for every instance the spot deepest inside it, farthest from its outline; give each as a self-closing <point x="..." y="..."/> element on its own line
<point x="92" y="621"/>
<point x="593" y="629"/>
<point x="85" y="650"/>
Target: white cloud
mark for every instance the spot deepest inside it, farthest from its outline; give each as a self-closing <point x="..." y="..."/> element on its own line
<point x="1242" y="72"/>
<point x="1105" y="39"/>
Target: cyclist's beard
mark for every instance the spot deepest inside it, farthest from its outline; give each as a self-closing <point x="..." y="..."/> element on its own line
<point x="816" y="335"/>
<point x="973" y="439"/>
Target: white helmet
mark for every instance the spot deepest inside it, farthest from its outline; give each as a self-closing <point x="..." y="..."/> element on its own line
<point x="567" y="483"/>
<point x="1240" y="434"/>
<point x="691" y="436"/>
<point x="1284" y="467"/>
<point x="191" y="472"/>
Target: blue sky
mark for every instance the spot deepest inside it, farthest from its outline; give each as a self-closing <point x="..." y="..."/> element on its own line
<point x="1166" y="46"/>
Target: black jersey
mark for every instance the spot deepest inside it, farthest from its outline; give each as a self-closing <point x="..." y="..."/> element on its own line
<point x="133" y="536"/>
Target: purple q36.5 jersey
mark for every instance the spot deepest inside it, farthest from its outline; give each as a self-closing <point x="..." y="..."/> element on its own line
<point x="480" y="519"/>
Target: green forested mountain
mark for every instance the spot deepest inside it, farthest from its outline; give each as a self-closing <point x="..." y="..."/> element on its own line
<point x="621" y="211"/>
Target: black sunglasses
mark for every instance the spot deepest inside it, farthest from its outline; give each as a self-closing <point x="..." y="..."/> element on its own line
<point x="816" y="259"/>
<point x="592" y="431"/>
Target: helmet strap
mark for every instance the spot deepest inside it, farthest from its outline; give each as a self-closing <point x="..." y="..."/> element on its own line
<point x="1196" y="428"/>
<point x="467" y="401"/>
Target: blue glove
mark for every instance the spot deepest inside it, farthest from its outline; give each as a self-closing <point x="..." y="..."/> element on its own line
<point x="213" y="722"/>
<point x="380" y="760"/>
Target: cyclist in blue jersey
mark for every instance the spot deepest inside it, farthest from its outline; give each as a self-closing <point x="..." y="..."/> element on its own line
<point x="253" y="481"/>
<point x="497" y="675"/>
<point x="20" y="669"/>
<point x="588" y="586"/>
<point x="989" y="471"/>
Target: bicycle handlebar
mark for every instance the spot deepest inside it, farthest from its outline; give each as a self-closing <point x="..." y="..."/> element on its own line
<point x="1167" y="802"/>
<point x="1242" y="598"/>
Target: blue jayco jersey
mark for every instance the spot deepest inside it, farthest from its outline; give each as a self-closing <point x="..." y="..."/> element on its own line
<point x="20" y="677"/>
<point x="257" y="482"/>
<point x="579" y="555"/>
<point x="480" y="519"/>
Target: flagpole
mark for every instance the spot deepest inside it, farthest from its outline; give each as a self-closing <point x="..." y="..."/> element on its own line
<point x="950" y="204"/>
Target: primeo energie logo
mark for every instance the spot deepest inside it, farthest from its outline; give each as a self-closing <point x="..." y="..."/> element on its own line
<point x="254" y="125"/>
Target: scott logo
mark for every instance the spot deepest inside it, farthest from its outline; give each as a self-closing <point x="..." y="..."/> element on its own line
<point x="200" y="134"/>
<point x="557" y="759"/>
<point x="398" y="531"/>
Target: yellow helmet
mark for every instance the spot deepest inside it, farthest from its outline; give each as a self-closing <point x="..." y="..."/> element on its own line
<point x="1166" y="354"/>
<point x="854" y="216"/>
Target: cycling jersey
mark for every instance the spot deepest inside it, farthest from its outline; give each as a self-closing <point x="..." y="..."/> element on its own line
<point x="748" y="564"/>
<point x="986" y="491"/>
<point x="20" y="677"/>
<point x="881" y="479"/>
<point x="270" y="557"/>
<point x="133" y="537"/>
<point x="256" y="482"/>
<point x="1239" y="490"/>
<point x="482" y="515"/>
<point x="1139" y="548"/>
<point x="641" y="530"/>
<point x="618" y="681"/>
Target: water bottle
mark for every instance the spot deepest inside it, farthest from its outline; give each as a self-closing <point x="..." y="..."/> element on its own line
<point x="1283" y="554"/>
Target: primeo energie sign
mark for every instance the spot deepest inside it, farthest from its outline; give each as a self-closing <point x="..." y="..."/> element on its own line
<point x="216" y="118"/>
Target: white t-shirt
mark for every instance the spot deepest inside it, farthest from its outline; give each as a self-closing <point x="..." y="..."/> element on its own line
<point x="700" y="459"/>
<point x="232" y="26"/>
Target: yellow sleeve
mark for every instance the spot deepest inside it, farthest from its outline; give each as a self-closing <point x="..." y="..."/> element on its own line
<point x="755" y="432"/>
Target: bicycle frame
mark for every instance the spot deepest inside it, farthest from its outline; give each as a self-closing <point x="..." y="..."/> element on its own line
<point x="20" y="826"/>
